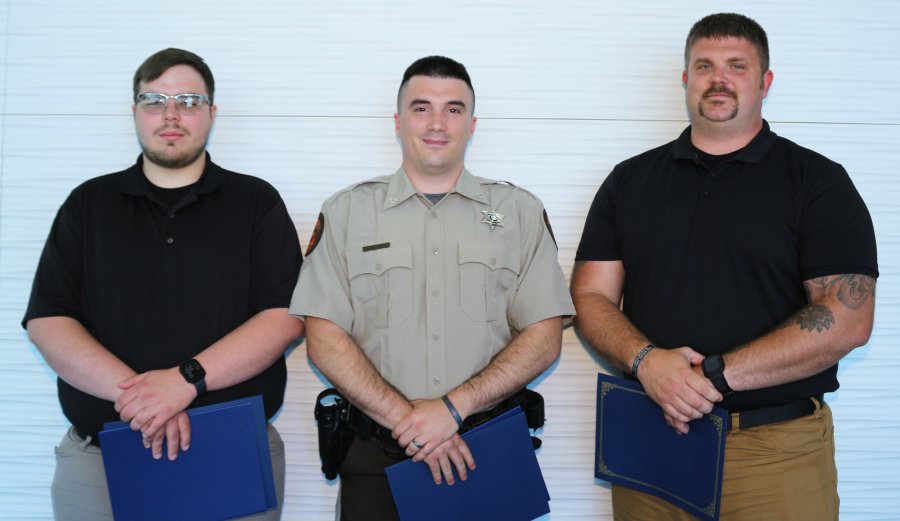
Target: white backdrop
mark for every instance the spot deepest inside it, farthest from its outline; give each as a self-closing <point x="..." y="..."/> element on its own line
<point x="306" y="91"/>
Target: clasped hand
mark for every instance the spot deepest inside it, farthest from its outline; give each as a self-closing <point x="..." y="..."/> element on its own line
<point x="673" y="379"/>
<point x="154" y="403"/>
<point x="429" y="434"/>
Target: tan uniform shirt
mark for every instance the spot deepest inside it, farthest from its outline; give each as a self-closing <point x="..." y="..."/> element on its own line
<point x="431" y="293"/>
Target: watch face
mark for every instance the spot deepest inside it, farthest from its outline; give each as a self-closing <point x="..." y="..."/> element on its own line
<point x="713" y="364"/>
<point x="192" y="371"/>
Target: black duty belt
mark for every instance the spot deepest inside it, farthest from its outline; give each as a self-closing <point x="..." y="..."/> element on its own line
<point x="775" y="414"/>
<point x="531" y="402"/>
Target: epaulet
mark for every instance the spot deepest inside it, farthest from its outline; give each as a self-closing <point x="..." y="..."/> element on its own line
<point x="384" y="179"/>
<point x="493" y="182"/>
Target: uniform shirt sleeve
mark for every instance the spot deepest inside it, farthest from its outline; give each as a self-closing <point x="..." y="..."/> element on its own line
<point x="56" y="290"/>
<point x="542" y="292"/>
<point x="836" y="232"/>
<point x="277" y="258"/>
<point x="598" y="240"/>
<point x="323" y="290"/>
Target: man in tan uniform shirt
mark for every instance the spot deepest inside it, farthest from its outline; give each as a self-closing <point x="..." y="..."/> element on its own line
<point x="428" y="284"/>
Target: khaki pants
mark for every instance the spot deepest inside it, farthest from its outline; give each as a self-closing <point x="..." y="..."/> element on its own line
<point x="783" y="471"/>
<point x="79" y="484"/>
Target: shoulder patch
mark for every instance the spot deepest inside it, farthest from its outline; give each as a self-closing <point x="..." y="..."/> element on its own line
<point x="320" y="226"/>
<point x="549" y="229"/>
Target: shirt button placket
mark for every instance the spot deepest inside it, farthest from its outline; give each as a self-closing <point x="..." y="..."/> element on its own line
<point x="434" y="305"/>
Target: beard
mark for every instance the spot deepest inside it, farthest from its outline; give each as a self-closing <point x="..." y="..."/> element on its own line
<point x="161" y="158"/>
<point x="718" y="90"/>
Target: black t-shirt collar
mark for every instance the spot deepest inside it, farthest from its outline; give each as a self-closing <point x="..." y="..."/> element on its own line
<point x="755" y="151"/>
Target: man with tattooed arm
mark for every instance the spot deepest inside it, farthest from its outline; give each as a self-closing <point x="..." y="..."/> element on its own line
<point x="732" y="267"/>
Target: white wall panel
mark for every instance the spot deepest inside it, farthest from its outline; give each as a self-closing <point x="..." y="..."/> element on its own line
<point x="565" y="90"/>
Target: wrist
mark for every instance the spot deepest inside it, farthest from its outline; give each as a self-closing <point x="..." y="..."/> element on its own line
<point x="639" y="358"/>
<point x="714" y="370"/>
<point x="194" y="374"/>
<point x="453" y="412"/>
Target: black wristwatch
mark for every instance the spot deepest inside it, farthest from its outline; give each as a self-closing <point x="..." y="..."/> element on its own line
<point x="194" y="374"/>
<point x="714" y="369"/>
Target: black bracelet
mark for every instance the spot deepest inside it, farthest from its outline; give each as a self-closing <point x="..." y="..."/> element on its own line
<point x="640" y="357"/>
<point x="453" y="411"/>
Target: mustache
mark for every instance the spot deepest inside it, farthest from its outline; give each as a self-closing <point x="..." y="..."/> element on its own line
<point x="719" y="89"/>
<point x="164" y="128"/>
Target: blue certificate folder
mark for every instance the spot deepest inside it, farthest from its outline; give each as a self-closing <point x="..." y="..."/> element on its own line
<point x="226" y="473"/>
<point x="506" y="485"/>
<point x="637" y="449"/>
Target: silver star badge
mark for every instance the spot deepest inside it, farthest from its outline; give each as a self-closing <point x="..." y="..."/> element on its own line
<point x="493" y="219"/>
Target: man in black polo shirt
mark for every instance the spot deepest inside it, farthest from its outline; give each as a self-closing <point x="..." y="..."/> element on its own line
<point x="162" y="287"/>
<point x="747" y="265"/>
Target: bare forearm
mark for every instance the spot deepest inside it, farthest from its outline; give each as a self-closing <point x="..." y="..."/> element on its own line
<point x="597" y="293"/>
<point x="837" y="320"/>
<point x="77" y="357"/>
<point x="249" y="349"/>
<point x="348" y="368"/>
<point x="529" y="354"/>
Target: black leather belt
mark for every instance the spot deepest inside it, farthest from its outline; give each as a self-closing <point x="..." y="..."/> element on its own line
<point x="778" y="413"/>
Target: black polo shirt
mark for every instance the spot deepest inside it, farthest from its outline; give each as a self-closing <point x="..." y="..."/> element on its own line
<point x="717" y="257"/>
<point x="156" y="286"/>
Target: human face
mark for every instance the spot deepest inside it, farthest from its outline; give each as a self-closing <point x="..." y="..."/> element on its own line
<point x="434" y="125"/>
<point x="172" y="139"/>
<point x="724" y="84"/>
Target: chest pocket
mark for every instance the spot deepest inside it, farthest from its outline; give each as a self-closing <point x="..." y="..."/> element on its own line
<point x="487" y="276"/>
<point x="381" y="283"/>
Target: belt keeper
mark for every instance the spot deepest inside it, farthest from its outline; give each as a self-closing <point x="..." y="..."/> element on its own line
<point x="453" y="411"/>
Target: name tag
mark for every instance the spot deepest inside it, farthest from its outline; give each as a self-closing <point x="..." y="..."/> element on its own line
<point x="373" y="247"/>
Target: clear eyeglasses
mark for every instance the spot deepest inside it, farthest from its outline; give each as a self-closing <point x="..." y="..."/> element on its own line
<point x="155" y="102"/>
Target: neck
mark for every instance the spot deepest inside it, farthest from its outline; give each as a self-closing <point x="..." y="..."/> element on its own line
<point x="718" y="139"/>
<point x="174" y="177"/>
<point x="433" y="183"/>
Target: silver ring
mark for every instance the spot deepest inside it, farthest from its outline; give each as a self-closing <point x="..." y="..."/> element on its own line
<point x="416" y="444"/>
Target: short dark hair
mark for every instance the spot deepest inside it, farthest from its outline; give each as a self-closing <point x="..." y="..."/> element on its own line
<point x="157" y="64"/>
<point x="724" y="25"/>
<point x="436" y="67"/>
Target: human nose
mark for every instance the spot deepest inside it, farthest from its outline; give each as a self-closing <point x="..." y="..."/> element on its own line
<point x="171" y="111"/>
<point x="436" y="121"/>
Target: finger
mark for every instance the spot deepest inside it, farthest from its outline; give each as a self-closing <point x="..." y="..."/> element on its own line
<point x="130" y="381"/>
<point x="401" y="428"/>
<point x="173" y="443"/>
<point x="466" y="454"/>
<point x="447" y="470"/>
<point x="184" y="425"/>
<point x="157" y="446"/>
<point x="435" y="467"/>
<point x="676" y="415"/>
<point x="456" y="459"/>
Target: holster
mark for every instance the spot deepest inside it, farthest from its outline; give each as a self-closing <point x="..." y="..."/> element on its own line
<point x="532" y="404"/>
<point x="335" y="436"/>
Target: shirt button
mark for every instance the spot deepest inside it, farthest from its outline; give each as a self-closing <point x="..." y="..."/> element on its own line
<point x="493" y="261"/>
<point x="435" y="251"/>
<point x="378" y="267"/>
<point x="171" y="216"/>
<point x="435" y="336"/>
<point x="434" y="215"/>
<point x="437" y="381"/>
<point x="705" y="194"/>
<point x="435" y="293"/>
<point x="170" y="240"/>
<point x="479" y="196"/>
<point x="393" y="200"/>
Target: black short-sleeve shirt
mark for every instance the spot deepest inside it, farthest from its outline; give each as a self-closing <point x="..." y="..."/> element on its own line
<point x="717" y="257"/>
<point x="157" y="285"/>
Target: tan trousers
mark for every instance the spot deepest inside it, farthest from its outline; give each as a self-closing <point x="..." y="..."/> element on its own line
<point x="79" y="490"/>
<point x="780" y="472"/>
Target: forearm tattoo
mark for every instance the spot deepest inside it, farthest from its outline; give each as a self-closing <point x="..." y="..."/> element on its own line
<point x="852" y="292"/>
